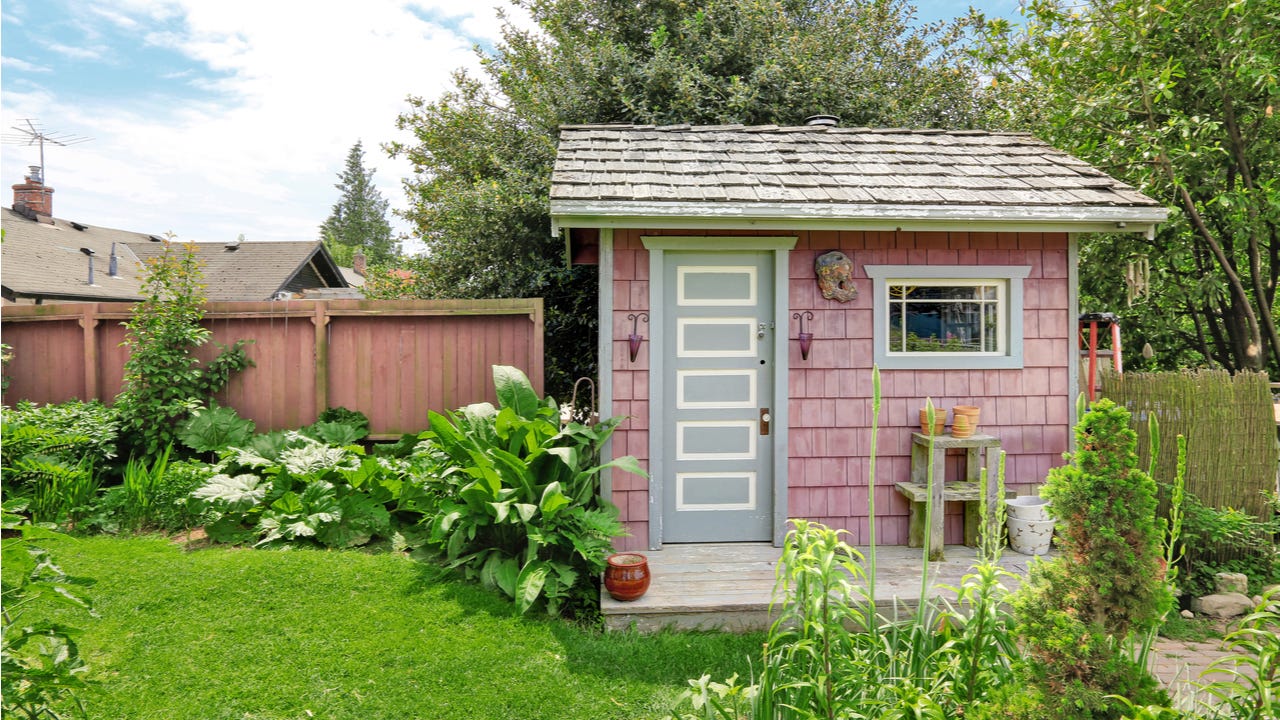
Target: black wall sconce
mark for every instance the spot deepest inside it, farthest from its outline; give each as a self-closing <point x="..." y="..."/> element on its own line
<point x="806" y="338"/>
<point x="635" y="338"/>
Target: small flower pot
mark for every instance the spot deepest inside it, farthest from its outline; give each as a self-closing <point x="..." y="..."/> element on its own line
<point x="939" y="421"/>
<point x="971" y="412"/>
<point x="960" y="426"/>
<point x="626" y="576"/>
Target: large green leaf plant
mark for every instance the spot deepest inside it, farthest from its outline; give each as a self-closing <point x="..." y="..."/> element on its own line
<point x="517" y="501"/>
<point x="302" y="490"/>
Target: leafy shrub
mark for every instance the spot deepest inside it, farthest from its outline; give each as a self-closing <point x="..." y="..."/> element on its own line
<point x="88" y="429"/>
<point x="1229" y="540"/>
<point x="517" y="496"/>
<point x="163" y="380"/>
<point x="53" y="466"/>
<point x="42" y="667"/>
<point x="305" y="492"/>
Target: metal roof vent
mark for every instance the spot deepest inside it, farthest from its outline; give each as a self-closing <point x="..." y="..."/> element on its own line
<point x="822" y="120"/>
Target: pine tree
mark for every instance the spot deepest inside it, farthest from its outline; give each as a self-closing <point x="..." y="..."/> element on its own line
<point x="359" y="219"/>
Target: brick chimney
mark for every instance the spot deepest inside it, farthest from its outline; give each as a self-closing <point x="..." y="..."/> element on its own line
<point x="358" y="263"/>
<point x="33" y="194"/>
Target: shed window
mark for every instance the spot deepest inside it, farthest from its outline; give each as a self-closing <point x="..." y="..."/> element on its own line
<point x="929" y="317"/>
<point x="947" y="317"/>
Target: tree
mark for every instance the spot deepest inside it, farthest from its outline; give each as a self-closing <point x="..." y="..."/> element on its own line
<point x="359" y="218"/>
<point x="484" y="150"/>
<point x="1177" y="98"/>
<point x="163" y="380"/>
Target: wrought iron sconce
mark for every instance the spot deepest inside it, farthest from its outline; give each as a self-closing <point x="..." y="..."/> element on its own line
<point x="635" y="338"/>
<point x="806" y="338"/>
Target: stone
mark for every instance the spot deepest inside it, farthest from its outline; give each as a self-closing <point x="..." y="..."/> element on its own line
<point x="1188" y="614"/>
<point x="1231" y="583"/>
<point x="1222" y="605"/>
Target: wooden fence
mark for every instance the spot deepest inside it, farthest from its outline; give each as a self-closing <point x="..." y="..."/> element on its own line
<point x="391" y="359"/>
<point x="1229" y="424"/>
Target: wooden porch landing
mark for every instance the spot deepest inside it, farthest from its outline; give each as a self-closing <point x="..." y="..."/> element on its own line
<point x="728" y="586"/>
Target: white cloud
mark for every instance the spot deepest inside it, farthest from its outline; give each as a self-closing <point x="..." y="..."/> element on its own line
<point x="75" y="52"/>
<point x="289" y="93"/>
<point x="13" y="63"/>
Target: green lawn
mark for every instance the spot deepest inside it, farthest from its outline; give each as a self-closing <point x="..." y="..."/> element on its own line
<point x="236" y="633"/>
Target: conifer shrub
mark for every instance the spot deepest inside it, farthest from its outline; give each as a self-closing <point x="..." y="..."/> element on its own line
<point x="1078" y="613"/>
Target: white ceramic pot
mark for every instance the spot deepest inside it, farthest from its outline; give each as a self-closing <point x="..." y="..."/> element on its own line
<point x="1028" y="507"/>
<point x="1030" y="537"/>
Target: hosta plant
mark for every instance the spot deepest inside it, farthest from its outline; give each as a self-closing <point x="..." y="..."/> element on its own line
<point x="517" y="496"/>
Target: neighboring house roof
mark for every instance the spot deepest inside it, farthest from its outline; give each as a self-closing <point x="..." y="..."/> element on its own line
<point x="42" y="261"/>
<point x="823" y="176"/>
<point x="259" y="270"/>
<point x="353" y="278"/>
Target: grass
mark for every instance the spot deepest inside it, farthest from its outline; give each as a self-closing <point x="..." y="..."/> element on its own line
<point x="253" y="634"/>
<point x="1177" y="627"/>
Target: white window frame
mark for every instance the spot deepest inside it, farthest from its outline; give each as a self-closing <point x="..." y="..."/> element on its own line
<point x="1007" y="278"/>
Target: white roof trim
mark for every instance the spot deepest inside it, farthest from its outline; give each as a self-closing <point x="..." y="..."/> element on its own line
<point x="977" y="218"/>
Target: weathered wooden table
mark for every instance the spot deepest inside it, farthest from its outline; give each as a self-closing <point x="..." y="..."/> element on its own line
<point x="980" y="451"/>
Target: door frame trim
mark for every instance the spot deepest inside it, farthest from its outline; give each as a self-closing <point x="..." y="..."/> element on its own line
<point x="657" y="247"/>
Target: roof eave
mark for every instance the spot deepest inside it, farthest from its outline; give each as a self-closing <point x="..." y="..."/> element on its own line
<point x="818" y="216"/>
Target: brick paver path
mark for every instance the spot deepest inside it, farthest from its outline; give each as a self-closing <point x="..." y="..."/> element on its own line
<point x="1179" y="664"/>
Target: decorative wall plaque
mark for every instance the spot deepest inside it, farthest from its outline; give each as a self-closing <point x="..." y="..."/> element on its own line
<point x="835" y="276"/>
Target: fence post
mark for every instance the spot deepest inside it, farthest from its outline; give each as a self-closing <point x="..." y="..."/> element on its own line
<point x="89" y="322"/>
<point x="321" y="320"/>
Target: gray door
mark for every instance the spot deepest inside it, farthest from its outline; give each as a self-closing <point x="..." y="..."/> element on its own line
<point x="717" y="380"/>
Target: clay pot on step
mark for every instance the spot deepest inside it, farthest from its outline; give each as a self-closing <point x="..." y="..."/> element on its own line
<point x="626" y="575"/>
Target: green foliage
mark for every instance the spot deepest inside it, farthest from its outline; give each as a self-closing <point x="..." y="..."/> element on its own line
<point x="41" y="662"/>
<point x="1230" y="540"/>
<point x="354" y="418"/>
<point x="1177" y="99"/>
<point x="140" y="486"/>
<point x="482" y="152"/>
<point x="1252" y="689"/>
<point x="215" y="428"/>
<point x="87" y="430"/>
<point x="6" y="354"/>
<point x="359" y="218"/>
<point x="163" y="380"/>
<point x="53" y="470"/>
<point x="303" y="490"/>
<point x="1077" y="613"/>
<point x="516" y="496"/>
<point x="831" y="655"/>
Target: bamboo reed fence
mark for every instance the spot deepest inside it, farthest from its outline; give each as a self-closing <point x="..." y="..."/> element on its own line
<point x="1230" y="425"/>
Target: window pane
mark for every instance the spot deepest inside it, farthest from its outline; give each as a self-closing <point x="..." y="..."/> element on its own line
<point x="943" y="318"/>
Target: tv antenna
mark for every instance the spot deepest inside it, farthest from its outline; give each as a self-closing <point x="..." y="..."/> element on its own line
<point x="30" y="132"/>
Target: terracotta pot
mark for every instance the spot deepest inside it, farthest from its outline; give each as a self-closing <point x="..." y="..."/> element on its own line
<point x="960" y="426"/>
<point x="626" y="575"/>
<point x="969" y="411"/>
<point x="939" y="421"/>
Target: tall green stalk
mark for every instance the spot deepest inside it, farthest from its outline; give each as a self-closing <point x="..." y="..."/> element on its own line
<point x="929" y="509"/>
<point x="871" y="501"/>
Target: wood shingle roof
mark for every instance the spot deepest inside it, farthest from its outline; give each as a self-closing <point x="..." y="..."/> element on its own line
<point x="830" y="172"/>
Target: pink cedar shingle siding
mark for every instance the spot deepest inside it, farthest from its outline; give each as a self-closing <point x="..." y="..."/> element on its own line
<point x="830" y="393"/>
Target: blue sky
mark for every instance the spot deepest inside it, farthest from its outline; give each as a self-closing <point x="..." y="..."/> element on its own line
<point x="212" y="118"/>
